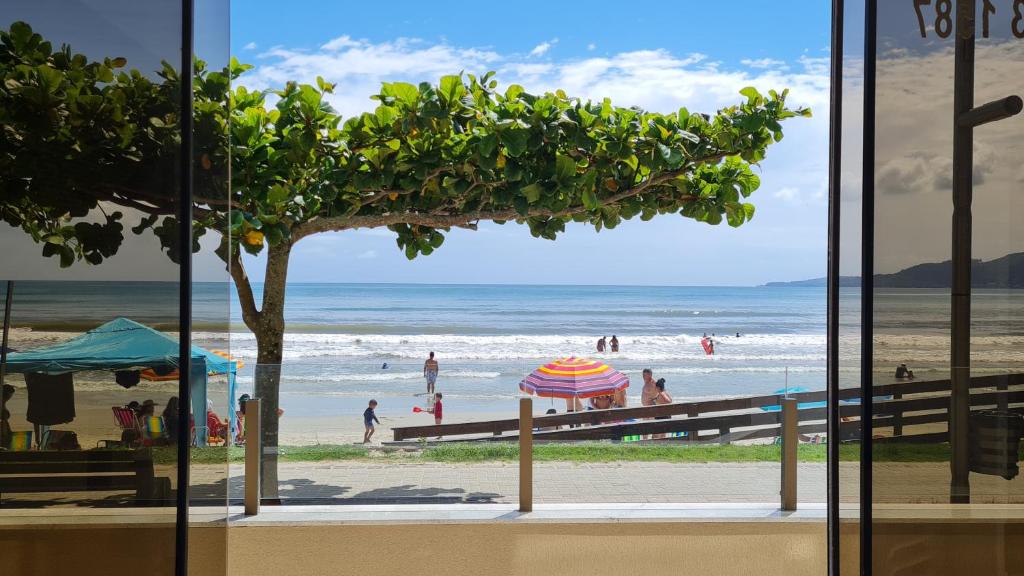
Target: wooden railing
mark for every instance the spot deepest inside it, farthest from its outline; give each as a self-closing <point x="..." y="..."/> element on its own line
<point x="912" y="403"/>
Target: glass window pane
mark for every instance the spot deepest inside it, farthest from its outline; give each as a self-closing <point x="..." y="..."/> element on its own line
<point x="89" y="168"/>
<point x="917" y="434"/>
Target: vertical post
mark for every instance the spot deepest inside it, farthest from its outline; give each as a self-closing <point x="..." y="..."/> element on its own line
<point x="960" y="296"/>
<point x="525" y="455"/>
<point x="3" y="348"/>
<point x="253" y="456"/>
<point x="790" y="439"/>
<point x="897" y="415"/>
<point x="184" y="214"/>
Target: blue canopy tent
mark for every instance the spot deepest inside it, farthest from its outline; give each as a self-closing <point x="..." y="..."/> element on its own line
<point x="124" y="344"/>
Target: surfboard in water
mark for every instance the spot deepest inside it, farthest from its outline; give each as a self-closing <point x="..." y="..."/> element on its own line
<point x="706" y="343"/>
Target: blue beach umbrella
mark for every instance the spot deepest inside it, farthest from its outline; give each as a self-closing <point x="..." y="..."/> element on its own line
<point x="800" y="406"/>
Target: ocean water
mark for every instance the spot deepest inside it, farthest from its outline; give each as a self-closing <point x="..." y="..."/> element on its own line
<point x="487" y="338"/>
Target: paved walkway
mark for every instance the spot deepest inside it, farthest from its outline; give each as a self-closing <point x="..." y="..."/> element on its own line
<point x="396" y="482"/>
<point x="554" y="482"/>
<point x="631" y="482"/>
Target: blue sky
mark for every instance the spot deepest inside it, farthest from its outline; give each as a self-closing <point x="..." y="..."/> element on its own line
<point x="658" y="55"/>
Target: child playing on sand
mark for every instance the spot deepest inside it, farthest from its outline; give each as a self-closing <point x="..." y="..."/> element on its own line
<point x="436" y="409"/>
<point x="369" y="417"/>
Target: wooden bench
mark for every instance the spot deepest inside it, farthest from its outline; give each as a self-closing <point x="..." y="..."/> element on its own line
<point x="83" y="471"/>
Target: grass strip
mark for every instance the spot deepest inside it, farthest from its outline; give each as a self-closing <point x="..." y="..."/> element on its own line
<point x="569" y="452"/>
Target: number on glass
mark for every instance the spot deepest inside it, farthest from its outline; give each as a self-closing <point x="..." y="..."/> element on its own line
<point x="1017" y="26"/>
<point x="944" y="18"/>
<point x="918" y="4"/>
<point x="987" y="9"/>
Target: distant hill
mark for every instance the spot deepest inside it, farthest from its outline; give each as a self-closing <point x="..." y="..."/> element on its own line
<point x="1004" y="272"/>
<point x="817" y="282"/>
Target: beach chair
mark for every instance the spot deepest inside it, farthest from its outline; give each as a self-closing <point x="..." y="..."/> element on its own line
<point x="154" y="431"/>
<point x="21" y="441"/>
<point x="131" y="432"/>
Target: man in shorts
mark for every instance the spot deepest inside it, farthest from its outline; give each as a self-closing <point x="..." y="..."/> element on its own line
<point x="430" y="369"/>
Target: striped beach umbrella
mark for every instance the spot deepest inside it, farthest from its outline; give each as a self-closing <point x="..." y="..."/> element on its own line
<point x="574" y="378"/>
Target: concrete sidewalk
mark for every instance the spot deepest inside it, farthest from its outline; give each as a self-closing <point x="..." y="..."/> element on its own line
<point x="361" y="482"/>
<point x="554" y="482"/>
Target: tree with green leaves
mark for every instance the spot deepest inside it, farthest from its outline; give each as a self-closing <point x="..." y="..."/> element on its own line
<point x="428" y="158"/>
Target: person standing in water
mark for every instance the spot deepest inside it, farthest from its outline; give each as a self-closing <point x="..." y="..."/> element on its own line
<point x="615" y="343"/>
<point x="430" y="368"/>
<point x="601" y="344"/>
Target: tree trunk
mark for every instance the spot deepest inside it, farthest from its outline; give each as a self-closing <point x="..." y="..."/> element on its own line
<point x="269" y="332"/>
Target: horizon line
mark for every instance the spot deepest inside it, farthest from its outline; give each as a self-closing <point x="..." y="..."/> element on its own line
<point x="311" y="282"/>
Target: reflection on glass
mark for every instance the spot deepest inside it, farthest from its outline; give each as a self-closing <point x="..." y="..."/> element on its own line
<point x="849" y="251"/>
<point x="912" y="317"/>
<point x="89" y="164"/>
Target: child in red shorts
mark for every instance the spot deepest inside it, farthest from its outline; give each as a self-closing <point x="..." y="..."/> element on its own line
<point x="437" y="409"/>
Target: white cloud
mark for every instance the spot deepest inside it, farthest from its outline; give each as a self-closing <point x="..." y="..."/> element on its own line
<point x="914" y="143"/>
<point x="788" y="193"/>
<point x="368" y="255"/>
<point x="543" y="47"/>
<point x="656" y="79"/>
<point x="340" y="43"/>
<point x="764" y="63"/>
<point x="249" y="46"/>
<point x="591" y="46"/>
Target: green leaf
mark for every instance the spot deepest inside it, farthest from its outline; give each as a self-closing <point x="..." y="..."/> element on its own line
<point x="590" y="201"/>
<point x="49" y="78"/>
<point x="451" y="89"/>
<point x="487" y="145"/>
<point x="672" y="156"/>
<point x="734" y="214"/>
<point x="522" y="205"/>
<point x="436" y="239"/>
<point x="402" y="91"/>
<point x="751" y="93"/>
<point x="277" y="194"/>
<point x="515" y="141"/>
<point x="532" y="192"/>
<point x="513" y="92"/>
<point x="20" y="33"/>
<point x="67" y="256"/>
<point x="565" y="169"/>
<point x="748" y="210"/>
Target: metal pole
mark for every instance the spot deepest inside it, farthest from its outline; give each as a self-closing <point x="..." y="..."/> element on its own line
<point x="790" y="439"/>
<point x="185" y="293"/>
<point x="3" y="347"/>
<point x="525" y="455"/>
<point x="253" y="455"/>
<point x="867" y="294"/>
<point x="965" y="118"/>
<point x="960" y="296"/>
<point x="832" y="307"/>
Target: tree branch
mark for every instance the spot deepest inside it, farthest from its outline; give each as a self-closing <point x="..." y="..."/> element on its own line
<point x="469" y="219"/>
